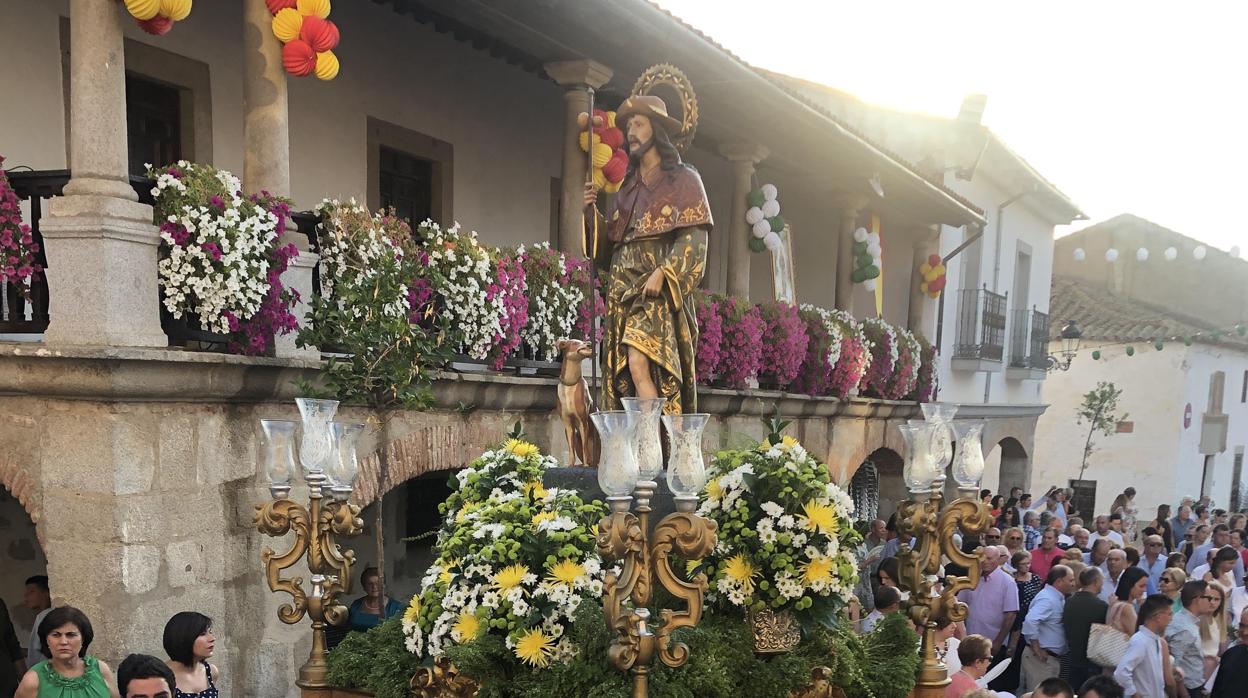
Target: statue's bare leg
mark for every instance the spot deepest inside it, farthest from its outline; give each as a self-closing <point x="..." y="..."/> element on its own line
<point x="639" y="369"/>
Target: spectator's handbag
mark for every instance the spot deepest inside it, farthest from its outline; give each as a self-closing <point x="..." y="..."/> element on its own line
<point x="1107" y="645"/>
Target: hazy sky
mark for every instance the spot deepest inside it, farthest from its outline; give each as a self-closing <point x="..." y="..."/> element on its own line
<point x="1135" y="107"/>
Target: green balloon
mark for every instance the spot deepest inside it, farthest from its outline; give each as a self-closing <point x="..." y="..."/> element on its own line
<point x="858" y="276"/>
<point x="871" y="272"/>
<point x="1158" y="345"/>
<point x="756" y="244"/>
<point x="1241" y="329"/>
<point x="864" y="260"/>
<point x="1187" y="341"/>
<point x="756" y="198"/>
<point x="777" y="223"/>
<point x="1096" y="355"/>
<point x="859" y="248"/>
<point x="1130" y="351"/>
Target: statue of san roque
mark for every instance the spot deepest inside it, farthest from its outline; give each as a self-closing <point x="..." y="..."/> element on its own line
<point x="652" y="240"/>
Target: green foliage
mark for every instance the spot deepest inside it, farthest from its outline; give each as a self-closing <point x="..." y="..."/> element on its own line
<point x="375" y="661"/>
<point x="880" y="664"/>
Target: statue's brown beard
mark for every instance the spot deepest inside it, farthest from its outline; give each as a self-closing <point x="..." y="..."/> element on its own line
<point x="635" y="156"/>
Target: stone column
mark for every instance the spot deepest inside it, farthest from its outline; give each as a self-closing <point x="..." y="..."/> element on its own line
<point x="850" y="205"/>
<point x="575" y="77"/>
<point x="266" y="163"/>
<point x="100" y="241"/>
<point x="743" y="156"/>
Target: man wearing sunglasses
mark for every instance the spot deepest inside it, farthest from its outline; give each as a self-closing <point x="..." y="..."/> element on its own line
<point x="1183" y="634"/>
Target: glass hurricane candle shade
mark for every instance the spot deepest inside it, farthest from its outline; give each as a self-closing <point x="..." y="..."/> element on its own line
<point x="316" y="442"/>
<point x="941" y="413"/>
<point x="343" y="465"/>
<point x="618" y="472"/>
<point x="968" y="465"/>
<point x="277" y="452"/>
<point x="918" y="470"/>
<point x="649" y="440"/>
<point x="686" y="470"/>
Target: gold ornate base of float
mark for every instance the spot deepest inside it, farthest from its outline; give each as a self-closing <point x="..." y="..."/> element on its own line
<point x="442" y="681"/>
<point x="775" y="632"/>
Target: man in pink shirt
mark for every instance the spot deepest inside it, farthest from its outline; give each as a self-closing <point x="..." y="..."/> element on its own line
<point x="991" y="606"/>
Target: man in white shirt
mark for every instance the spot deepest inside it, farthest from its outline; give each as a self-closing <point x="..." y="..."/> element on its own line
<point x="1043" y="630"/>
<point x="1104" y="531"/>
<point x="1140" y="673"/>
<point x="1115" y="565"/>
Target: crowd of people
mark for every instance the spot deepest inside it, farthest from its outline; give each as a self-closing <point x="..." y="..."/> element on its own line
<point x="1109" y="608"/>
<point x="55" y="663"/>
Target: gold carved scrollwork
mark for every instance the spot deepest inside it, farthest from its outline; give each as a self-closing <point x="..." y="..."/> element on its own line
<point x="691" y="537"/>
<point x="442" y="680"/>
<point x="775" y="632"/>
<point x="277" y="518"/>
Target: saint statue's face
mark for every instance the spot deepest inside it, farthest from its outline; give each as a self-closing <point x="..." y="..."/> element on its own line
<point x="640" y="134"/>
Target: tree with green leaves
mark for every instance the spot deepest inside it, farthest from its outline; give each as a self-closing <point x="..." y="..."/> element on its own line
<point x="1100" y="412"/>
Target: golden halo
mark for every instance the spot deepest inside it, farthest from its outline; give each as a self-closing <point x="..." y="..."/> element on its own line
<point x="671" y="77"/>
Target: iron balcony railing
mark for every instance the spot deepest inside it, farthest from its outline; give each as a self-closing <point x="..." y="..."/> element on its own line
<point x="1029" y="334"/>
<point x="981" y="325"/>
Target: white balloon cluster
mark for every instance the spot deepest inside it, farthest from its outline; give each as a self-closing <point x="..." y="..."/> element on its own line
<point x="873" y="248"/>
<point x="1142" y="254"/>
<point x="759" y="218"/>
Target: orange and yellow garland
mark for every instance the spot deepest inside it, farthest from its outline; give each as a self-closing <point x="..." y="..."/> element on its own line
<point x="307" y="35"/>
<point x="157" y="16"/>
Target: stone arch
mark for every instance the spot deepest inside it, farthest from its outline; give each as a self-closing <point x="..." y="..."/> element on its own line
<point x="892" y="488"/>
<point x="25" y="488"/>
<point x="22" y="540"/>
<point x="1015" y="470"/>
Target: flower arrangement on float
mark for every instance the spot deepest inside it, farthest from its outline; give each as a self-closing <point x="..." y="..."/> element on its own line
<point x="515" y="560"/>
<point x="466" y="271"/>
<point x="19" y="263"/>
<point x="219" y="258"/>
<point x="786" y="538"/>
<point x="158" y="16"/>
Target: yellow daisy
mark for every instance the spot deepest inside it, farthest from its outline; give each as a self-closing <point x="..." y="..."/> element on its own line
<point x="448" y="571"/>
<point x="544" y="516"/>
<point x="464" y="511"/>
<point x="787" y="443"/>
<point x="466" y="628"/>
<point x="510" y="577"/>
<point x="691" y="565"/>
<point x="535" y="647"/>
<point x="742" y="572"/>
<point x="820" y="517"/>
<point x="413" y="611"/>
<point x="534" y="489"/>
<point x="520" y="449"/>
<point x="817" y="570"/>
<point x="566" y="571"/>
<point x="714" y="490"/>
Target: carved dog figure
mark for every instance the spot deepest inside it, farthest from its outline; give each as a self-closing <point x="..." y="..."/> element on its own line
<point x="575" y="403"/>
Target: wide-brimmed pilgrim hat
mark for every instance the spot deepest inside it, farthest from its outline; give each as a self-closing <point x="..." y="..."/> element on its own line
<point x="651" y="106"/>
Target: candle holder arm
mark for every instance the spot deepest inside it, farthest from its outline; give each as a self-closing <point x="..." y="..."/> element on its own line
<point x="689" y="537"/>
<point x="277" y="518"/>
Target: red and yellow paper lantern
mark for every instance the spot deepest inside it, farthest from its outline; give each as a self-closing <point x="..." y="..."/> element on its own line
<point x="610" y="160"/>
<point x="158" y="16"/>
<point x="304" y="24"/>
<point x="933" y="272"/>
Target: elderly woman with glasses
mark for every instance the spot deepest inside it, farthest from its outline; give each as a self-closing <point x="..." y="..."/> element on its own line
<point x="1171" y="583"/>
<point x="975" y="655"/>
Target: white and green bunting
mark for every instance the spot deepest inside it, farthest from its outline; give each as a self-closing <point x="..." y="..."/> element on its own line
<point x="763" y="217"/>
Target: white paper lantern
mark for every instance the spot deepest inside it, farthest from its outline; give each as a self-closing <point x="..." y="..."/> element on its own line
<point x="1111" y="255"/>
<point x="1199" y="253"/>
<point x="869" y="284"/>
<point x="1080" y="255"/>
<point x="772" y="241"/>
<point x="873" y="237"/>
<point x="769" y="192"/>
<point x="873" y="249"/>
<point x="771" y="208"/>
<point x="1235" y="251"/>
<point x="860" y="235"/>
<point x="754" y="215"/>
<point x="1171" y="254"/>
<point x="877" y="261"/>
<point x="1141" y="255"/>
<point x="761" y="229"/>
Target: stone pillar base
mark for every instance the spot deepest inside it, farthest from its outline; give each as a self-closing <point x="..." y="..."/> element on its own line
<point x="102" y="254"/>
<point x="299" y="277"/>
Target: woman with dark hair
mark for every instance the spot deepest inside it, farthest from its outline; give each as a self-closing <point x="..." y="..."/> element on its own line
<point x="68" y="672"/>
<point x="997" y="505"/>
<point x="1008" y="518"/>
<point x="1177" y="560"/>
<point x="1222" y="567"/>
<point x="371" y="609"/>
<point x="189" y="642"/>
<point x="1124" y="602"/>
<point x="1163" y="527"/>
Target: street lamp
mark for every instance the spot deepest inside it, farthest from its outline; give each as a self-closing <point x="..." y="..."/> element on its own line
<point x="327" y="452"/>
<point x="933" y="597"/>
<point x="1071" y="334"/>
<point x="645" y="554"/>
